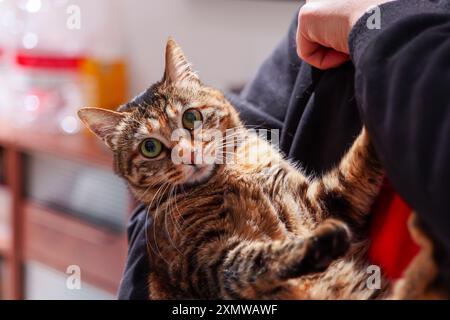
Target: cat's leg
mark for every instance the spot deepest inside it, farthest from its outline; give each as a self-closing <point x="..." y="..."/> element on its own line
<point x="348" y="191"/>
<point x="419" y="281"/>
<point x="261" y="270"/>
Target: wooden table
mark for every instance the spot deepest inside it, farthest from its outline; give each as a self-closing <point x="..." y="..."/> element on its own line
<point x="45" y="235"/>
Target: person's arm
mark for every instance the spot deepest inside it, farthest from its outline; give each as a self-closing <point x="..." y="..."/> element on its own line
<point x="401" y="53"/>
<point x="402" y="89"/>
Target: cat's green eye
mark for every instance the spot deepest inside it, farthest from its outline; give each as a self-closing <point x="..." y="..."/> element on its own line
<point x="151" y="148"/>
<point x="191" y="119"/>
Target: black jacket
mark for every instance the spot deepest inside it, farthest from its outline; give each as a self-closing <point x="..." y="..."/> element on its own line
<point x="398" y="84"/>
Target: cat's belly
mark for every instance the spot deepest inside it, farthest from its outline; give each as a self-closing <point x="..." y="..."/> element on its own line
<point x="268" y="205"/>
<point x="201" y="228"/>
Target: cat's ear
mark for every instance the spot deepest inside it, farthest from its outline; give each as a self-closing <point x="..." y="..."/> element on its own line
<point x="103" y="123"/>
<point x="178" y="69"/>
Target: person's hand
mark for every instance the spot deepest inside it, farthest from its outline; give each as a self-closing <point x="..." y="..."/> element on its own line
<point x="324" y="27"/>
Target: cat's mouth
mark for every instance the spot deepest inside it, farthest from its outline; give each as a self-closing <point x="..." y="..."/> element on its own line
<point x="196" y="174"/>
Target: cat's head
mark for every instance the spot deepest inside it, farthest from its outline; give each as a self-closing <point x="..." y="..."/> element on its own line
<point x="150" y="135"/>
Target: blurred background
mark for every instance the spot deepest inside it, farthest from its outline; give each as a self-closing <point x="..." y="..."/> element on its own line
<point x="63" y="212"/>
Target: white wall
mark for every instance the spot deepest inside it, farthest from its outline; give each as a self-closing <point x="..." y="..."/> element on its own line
<point x="225" y="40"/>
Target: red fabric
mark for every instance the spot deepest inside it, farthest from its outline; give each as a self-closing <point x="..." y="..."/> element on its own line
<point x="47" y="61"/>
<point x="391" y="245"/>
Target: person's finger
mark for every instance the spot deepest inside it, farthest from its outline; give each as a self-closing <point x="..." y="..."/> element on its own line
<point x="305" y="47"/>
<point x="327" y="58"/>
<point x="317" y="55"/>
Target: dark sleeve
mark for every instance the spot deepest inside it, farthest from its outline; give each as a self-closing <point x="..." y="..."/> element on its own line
<point x="265" y="99"/>
<point x="134" y="284"/>
<point x="403" y="91"/>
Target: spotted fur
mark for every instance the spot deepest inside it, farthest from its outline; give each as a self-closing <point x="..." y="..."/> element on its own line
<point x="243" y="230"/>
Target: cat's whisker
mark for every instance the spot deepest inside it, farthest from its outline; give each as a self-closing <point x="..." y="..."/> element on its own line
<point x="148" y="208"/>
<point x="232" y="137"/>
<point x="166" y="185"/>
<point x="180" y="217"/>
<point x="178" y="211"/>
<point x="169" y="213"/>
<point x="228" y="143"/>
<point x="175" y="207"/>
<point x="225" y="146"/>
<point x="156" y="214"/>
<point x="148" y="211"/>
<point x="141" y="198"/>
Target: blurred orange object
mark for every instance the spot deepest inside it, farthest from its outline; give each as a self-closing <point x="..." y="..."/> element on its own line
<point x="109" y="82"/>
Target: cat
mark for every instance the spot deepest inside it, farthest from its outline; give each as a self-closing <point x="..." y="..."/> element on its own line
<point x="238" y="229"/>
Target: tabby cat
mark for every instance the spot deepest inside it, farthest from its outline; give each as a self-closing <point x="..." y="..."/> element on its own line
<point x="238" y="229"/>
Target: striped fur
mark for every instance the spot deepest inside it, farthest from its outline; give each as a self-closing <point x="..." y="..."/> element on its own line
<point x="248" y="235"/>
<point x="260" y="230"/>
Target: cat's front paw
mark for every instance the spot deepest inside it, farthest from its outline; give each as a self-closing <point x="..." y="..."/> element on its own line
<point x="330" y="241"/>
